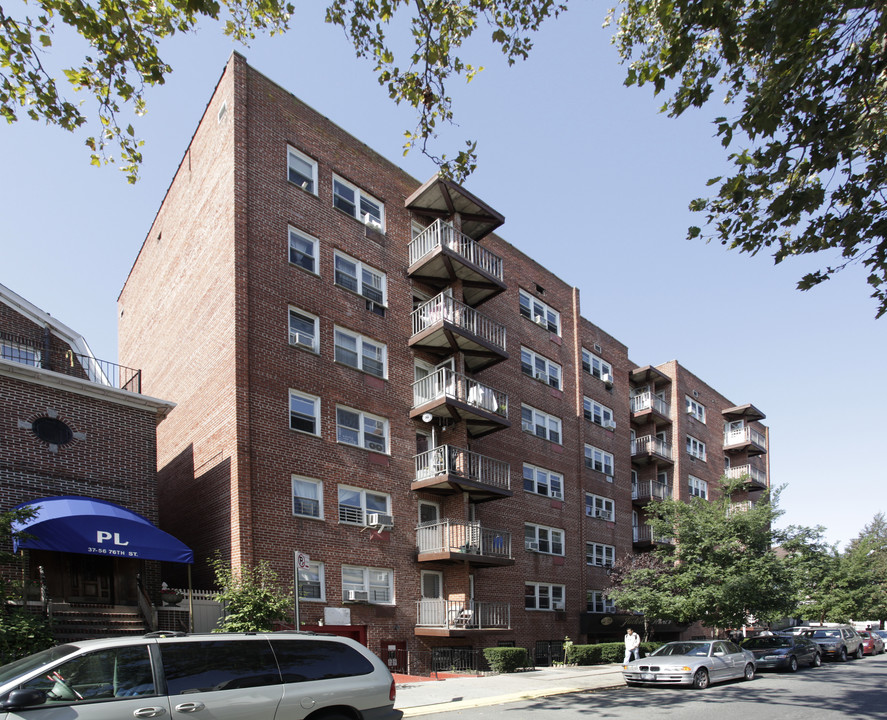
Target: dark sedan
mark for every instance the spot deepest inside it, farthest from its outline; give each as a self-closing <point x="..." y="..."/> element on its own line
<point x="783" y="652"/>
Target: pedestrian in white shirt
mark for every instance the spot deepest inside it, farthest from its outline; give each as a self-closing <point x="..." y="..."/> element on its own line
<point x="632" y="645"/>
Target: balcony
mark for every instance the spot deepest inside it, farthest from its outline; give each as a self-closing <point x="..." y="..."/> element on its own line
<point x="755" y="479"/>
<point x="447" y="470"/>
<point x="459" y="618"/>
<point x="745" y="439"/>
<point x="443" y="326"/>
<point x="441" y="255"/>
<point x="454" y="396"/>
<point x="448" y="541"/>
<point x="646" y="407"/>
<point x="649" y="449"/>
<point x="642" y="535"/>
<point x="643" y="491"/>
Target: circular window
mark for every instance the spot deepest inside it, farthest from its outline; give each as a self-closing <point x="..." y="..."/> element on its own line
<point x="52" y="431"/>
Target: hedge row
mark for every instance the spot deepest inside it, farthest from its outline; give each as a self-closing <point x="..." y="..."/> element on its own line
<point x="602" y="653"/>
<point x="506" y="659"/>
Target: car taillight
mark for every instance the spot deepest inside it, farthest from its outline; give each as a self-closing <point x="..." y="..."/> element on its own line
<point x="393" y="692"/>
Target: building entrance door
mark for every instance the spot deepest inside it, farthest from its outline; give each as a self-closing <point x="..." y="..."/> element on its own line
<point x="91" y="579"/>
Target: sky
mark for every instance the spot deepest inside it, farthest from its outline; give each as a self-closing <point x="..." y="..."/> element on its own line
<point x="594" y="184"/>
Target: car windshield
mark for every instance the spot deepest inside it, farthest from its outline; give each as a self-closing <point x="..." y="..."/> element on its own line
<point x="767" y="642"/>
<point x="685" y="648"/>
<point x="827" y="634"/>
<point x="24" y="665"/>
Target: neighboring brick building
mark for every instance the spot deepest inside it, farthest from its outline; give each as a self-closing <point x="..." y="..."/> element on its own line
<point x="363" y="372"/>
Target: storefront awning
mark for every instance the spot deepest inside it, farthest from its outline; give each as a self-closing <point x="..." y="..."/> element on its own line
<point x="96" y="527"/>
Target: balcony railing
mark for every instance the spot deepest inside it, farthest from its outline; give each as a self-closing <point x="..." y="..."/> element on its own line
<point x="650" y="489"/>
<point x="650" y="444"/>
<point x="442" y="234"/>
<point x="470" y="538"/>
<point x="451" y="460"/>
<point x="644" y="534"/>
<point x="447" y="309"/>
<point x="738" y="507"/>
<point x="758" y="477"/>
<point x="648" y="401"/>
<point x="447" y="384"/>
<point x="463" y="615"/>
<point x="745" y="436"/>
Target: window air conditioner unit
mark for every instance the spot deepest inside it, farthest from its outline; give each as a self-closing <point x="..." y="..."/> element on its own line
<point x="542" y="376"/>
<point x="607" y="378"/>
<point x="557" y="496"/>
<point x="377" y="447"/>
<point x="611" y="424"/>
<point x="609" y="478"/>
<point x="557" y="605"/>
<point x="357" y="596"/>
<point x="602" y="514"/>
<point x="380" y="520"/>
<point x="531" y="545"/>
<point x="690" y="411"/>
<point x="372" y="222"/>
<point x="540" y="320"/>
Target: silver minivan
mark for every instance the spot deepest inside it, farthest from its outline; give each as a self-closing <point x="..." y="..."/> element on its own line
<point x="274" y="676"/>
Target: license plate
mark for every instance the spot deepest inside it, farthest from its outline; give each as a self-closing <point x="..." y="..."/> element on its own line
<point x="648" y="676"/>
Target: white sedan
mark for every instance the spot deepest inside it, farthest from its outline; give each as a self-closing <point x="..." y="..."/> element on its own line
<point x="693" y="662"/>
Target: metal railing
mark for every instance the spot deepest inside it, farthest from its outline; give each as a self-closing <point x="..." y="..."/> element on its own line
<point x="441" y="233"/>
<point x="644" y="533"/>
<point x="451" y="536"/>
<point x="750" y="471"/>
<point x="650" y="489"/>
<point x="446" y="383"/>
<point x="647" y="400"/>
<point x="443" y="307"/>
<point x="451" y="460"/>
<point x="651" y="444"/>
<point x="463" y="614"/>
<point x="741" y="436"/>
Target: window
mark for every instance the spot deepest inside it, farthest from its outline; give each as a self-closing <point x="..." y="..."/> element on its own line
<point x="540" y="313"/>
<point x="598" y="602"/>
<point x="311" y="583"/>
<point x="361" y="429"/>
<point x="355" y="503"/>
<point x="355" y="202"/>
<point x="304" y="413"/>
<point x="303" y="330"/>
<point x="544" y="539"/>
<point x="374" y="584"/>
<point x="353" y="275"/>
<point x="593" y="365"/>
<point x="543" y="596"/>
<point x="19" y="353"/>
<point x="301" y="170"/>
<point x="695" y="447"/>
<point x="540" y="368"/>
<point x="540" y="424"/>
<point x="598" y="554"/>
<point x="695" y="409"/>
<point x="360" y="352"/>
<point x="305" y="660"/>
<point x="303" y="250"/>
<point x="597" y="413"/>
<point x="599" y="507"/>
<point x="597" y="459"/>
<point x="543" y="482"/>
<point x="307" y="497"/>
<point x="698" y="488"/>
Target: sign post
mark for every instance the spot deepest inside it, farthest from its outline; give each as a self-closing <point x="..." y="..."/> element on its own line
<point x="303" y="562"/>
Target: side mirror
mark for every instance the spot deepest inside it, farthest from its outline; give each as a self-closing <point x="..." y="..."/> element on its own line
<point x="23" y="698"/>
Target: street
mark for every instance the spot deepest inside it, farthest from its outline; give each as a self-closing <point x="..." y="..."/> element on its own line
<point x="857" y="688"/>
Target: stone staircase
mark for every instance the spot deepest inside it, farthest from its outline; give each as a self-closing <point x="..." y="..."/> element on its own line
<point x="83" y="622"/>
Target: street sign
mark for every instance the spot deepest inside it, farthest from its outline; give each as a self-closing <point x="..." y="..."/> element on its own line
<point x="303" y="561"/>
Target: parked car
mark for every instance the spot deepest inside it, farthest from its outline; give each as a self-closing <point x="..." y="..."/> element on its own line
<point x="882" y="634"/>
<point x="280" y="676"/>
<point x="836" y="641"/>
<point x="872" y="642"/>
<point x="783" y="652"/>
<point x="694" y="662"/>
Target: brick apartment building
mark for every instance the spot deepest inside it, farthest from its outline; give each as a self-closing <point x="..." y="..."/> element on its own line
<point x="363" y="371"/>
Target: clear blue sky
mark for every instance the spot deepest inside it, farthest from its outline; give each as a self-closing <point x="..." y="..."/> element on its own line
<point x="593" y="183"/>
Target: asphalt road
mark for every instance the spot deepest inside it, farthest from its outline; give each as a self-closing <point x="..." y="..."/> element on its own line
<point x="857" y="688"/>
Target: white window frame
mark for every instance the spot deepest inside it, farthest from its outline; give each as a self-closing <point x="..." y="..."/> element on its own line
<point x="315" y="401"/>
<point x="314" y="245"/>
<point x="695" y="409"/>
<point x="295" y="337"/>
<point x="597" y="413"/>
<point x="599" y="554"/>
<point x="599" y="460"/>
<point x="318" y="484"/>
<point x="695" y="447"/>
<point x="362" y="436"/>
<point x="361" y="344"/>
<point x="545" y="535"/>
<point x="602" y="508"/>
<point x="317" y="568"/>
<point x="697" y="487"/>
<point x="598" y="602"/>
<point x="311" y="162"/>
<point x="544" y="479"/>
<point x="371" y="578"/>
<point x="539" y="312"/>
<point x="360" y="269"/>
<point x="360" y="197"/>
<point x="540" y="368"/>
<point x="595" y="366"/>
<point x="551" y="424"/>
<point x="354" y="514"/>
<point x="549" y="593"/>
<point x="22" y="354"/>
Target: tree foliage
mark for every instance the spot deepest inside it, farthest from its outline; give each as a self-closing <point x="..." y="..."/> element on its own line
<point x="643" y="583"/>
<point x="808" y="133"/>
<point x="252" y="595"/>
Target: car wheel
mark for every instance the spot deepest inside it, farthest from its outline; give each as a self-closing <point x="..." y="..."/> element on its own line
<point x="817" y="660"/>
<point x="842" y="655"/>
<point x="793" y="664"/>
<point x="750" y="670"/>
<point x="700" y="679"/>
<point x="859" y="653"/>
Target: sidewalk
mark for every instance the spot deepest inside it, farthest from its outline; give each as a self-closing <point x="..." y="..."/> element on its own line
<point x="424" y="698"/>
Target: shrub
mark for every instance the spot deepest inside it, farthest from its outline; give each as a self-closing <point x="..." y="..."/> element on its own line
<point x="506" y="659"/>
<point x="602" y="653"/>
<point x="251" y="595"/>
<point x="22" y="633"/>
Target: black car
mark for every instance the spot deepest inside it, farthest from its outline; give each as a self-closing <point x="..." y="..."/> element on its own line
<point x="783" y="652"/>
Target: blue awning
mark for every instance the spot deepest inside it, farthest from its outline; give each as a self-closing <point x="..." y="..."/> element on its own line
<point x="96" y="527"/>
